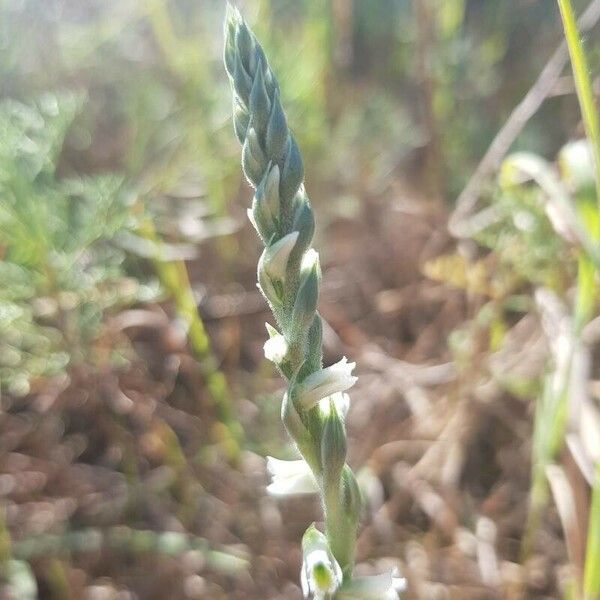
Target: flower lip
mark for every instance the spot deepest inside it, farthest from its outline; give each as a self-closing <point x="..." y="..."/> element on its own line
<point x="321" y="574"/>
<point x="290" y="477"/>
<point x="326" y="382"/>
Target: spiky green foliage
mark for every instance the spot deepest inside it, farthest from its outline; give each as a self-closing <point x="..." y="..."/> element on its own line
<point x="60" y="272"/>
<point x="289" y="277"/>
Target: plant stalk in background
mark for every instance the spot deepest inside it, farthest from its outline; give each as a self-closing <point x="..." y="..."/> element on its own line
<point x="173" y="276"/>
<point x="314" y="405"/>
<point x="585" y="95"/>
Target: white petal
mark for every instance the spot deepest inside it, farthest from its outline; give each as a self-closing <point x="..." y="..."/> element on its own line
<point x="276" y="348"/>
<point x="290" y="477"/>
<point x="326" y="382"/>
<point x="385" y="586"/>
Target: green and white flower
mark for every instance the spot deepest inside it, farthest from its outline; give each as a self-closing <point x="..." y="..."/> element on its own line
<point x="321" y="575"/>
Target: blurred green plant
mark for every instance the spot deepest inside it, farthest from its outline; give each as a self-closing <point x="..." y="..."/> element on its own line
<point x="61" y="273"/>
<point x="588" y="275"/>
<point x="22" y="584"/>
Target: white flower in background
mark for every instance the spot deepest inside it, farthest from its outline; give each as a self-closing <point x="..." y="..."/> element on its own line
<point x="386" y="586"/>
<point x="321" y="574"/>
<point x="290" y="477"/>
<point x="326" y="382"/>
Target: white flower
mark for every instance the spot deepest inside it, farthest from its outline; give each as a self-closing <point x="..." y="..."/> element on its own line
<point x="290" y="477"/>
<point x="386" y="586"/>
<point x="276" y="348"/>
<point x="326" y="382"/>
<point x="321" y="574"/>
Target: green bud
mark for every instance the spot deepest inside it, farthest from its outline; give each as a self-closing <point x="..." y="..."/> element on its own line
<point x="232" y="19"/>
<point x="305" y="305"/>
<point x="254" y="161"/>
<point x="241" y="119"/>
<point x="277" y="131"/>
<point x="259" y="103"/>
<point x="294" y="425"/>
<point x="333" y="445"/>
<point x="242" y="83"/>
<point x="272" y="267"/>
<point x="265" y="205"/>
<point x="304" y="224"/>
<point x="315" y="344"/>
<point x="292" y="173"/>
<point x="245" y="45"/>
<point x="351" y="496"/>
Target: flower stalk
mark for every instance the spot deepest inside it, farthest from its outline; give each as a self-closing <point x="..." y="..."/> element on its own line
<point x="289" y="275"/>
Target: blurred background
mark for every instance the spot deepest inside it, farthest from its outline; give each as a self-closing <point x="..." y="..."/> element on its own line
<point x="133" y="427"/>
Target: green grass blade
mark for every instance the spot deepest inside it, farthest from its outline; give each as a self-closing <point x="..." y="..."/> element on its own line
<point x="583" y="84"/>
<point x="591" y="577"/>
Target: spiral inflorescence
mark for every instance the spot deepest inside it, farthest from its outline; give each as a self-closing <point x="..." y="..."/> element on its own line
<point x="314" y="406"/>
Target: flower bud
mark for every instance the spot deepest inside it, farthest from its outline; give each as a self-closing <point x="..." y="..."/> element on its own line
<point x="294" y="425"/>
<point x="254" y="161"/>
<point x="304" y="223"/>
<point x="292" y="173"/>
<point x="241" y="80"/>
<point x="277" y="131"/>
<point x="259" y="104"/>
<point x="245" y="43"/>
<point x="351" y="496"/>
<point x="333" y="445"/>
<point x="265" y="205"/>
<point x="305" y="305"/>
<point x="241" y="119"/>
<point x="272" y="267"/>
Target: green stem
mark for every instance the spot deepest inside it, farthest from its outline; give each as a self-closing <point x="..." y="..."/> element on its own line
<point x="591" y="577"/>
<point x="583" y="84"/>
<point x="340" y="530"/>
